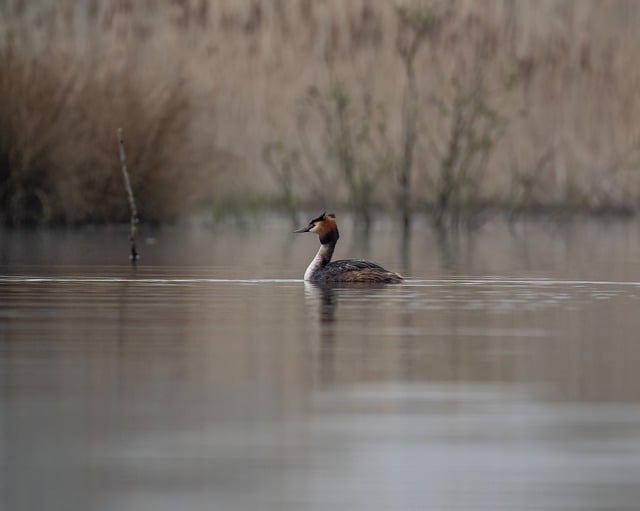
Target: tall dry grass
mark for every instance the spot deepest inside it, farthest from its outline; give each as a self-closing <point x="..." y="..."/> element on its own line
<point x="64" y="91"/>
<point x="203" y="88"/>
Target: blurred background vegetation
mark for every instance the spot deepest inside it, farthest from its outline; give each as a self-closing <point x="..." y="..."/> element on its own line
<point x="410" y="107"/>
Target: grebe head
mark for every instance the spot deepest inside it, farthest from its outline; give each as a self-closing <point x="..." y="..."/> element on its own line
<point x="324" y="226"/>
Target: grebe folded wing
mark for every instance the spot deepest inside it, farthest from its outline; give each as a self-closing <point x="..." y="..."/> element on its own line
<point x="355" y="264"/>
<point x="355" y="270"/>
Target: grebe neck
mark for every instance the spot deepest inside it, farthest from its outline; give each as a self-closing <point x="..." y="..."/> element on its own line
<point x="322" y="258"/>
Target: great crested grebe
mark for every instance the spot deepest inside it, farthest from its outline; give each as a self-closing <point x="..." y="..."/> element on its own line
<point x="322" y="269"/>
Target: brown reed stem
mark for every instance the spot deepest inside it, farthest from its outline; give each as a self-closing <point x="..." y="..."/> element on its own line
<point x="133" y="256"/>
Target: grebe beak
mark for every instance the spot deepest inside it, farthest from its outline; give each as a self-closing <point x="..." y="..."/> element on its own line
<point x="303" y="229"/>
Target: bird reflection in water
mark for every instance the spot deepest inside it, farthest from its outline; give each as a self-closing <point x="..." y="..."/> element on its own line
<point x="323" y="300"/>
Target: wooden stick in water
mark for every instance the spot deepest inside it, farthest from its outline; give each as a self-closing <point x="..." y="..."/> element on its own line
<point x="133" y="256"/>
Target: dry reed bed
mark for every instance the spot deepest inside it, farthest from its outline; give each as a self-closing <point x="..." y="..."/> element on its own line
<point x="201" y="88"/>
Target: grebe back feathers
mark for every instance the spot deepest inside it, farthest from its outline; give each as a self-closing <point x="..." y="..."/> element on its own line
<point x="323" y="270"/>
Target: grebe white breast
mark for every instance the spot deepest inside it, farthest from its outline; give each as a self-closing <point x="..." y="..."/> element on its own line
<point x="322" y="269"/>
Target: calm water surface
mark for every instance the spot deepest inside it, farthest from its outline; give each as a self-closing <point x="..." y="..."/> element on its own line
<point x="503" y="375"/>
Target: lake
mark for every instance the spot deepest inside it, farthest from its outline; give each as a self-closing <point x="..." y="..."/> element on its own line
<point x="502" y="375"/>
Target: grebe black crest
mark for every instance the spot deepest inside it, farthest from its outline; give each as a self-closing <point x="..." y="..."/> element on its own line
<point x="323" y="270"/>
